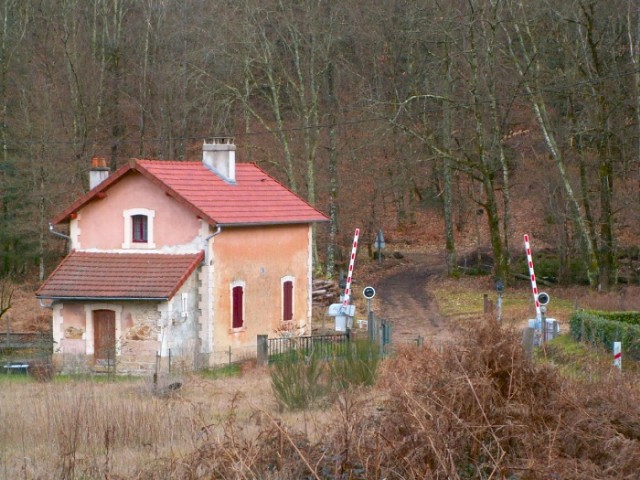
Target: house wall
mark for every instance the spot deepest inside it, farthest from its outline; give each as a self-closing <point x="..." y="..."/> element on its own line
<point x="178" y="335"/>
<point x="100" y="224"/>
<point x="137" y="328"/>
<point x="259" y="257"/>
<point x="139" y="341"/>
<point x="143" y="329"/>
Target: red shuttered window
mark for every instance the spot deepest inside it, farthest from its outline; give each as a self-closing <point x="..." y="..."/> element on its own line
<point x="287" y="300"/>
<point x="237" y="294"/>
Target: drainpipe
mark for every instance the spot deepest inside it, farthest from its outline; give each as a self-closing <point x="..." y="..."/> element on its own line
<point x="58" y="233"/>
<point x="206" y="242"/>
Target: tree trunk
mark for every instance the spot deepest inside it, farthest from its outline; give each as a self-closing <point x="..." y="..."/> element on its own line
<point x="540" y="111"/>
<point x="447" y="174"/>
<point x="333" y="174"/>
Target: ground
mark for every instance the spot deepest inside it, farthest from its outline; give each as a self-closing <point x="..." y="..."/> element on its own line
<point x="415" y="294"/>
<point x="406" y="301"/>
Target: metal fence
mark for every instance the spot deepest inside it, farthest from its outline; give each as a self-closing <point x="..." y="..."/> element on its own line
<point x="334" y="344"/>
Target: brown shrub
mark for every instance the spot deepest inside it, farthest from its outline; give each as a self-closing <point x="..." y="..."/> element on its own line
<point x="41" y="370"/>
<point x="483" y="410"/>
<point x="476" y="410"/>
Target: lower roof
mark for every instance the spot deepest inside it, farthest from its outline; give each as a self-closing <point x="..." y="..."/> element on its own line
<point x="119" y="276"/>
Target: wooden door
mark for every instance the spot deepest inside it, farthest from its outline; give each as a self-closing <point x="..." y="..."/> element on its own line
<point x="104" y="335"/>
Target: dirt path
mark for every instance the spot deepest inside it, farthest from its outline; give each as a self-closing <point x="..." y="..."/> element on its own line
<point x="404" y="299"/>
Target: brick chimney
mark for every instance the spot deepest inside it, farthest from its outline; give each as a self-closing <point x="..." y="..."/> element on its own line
<point x="99" y="172"/>
<point x="219" y="156"/>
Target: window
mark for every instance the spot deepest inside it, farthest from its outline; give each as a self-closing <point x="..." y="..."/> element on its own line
<point x="287" y="300"/>
<point x="185" y="304"/>
<point x="139" y="228"/>
<point x="237" y="304"/>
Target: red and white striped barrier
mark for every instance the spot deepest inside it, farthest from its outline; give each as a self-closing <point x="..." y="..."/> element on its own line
<point x="617" y="355"/>
<point x="352" y="261"/>
<point x="532" y="275"/>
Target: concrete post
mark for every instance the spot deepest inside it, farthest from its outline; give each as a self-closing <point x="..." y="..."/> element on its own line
<point x="263" y="350"/>
<point x="527" y="342"/>
<point x="371" y="326"/>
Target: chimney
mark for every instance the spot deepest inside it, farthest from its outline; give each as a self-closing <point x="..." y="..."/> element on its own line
<point x="99" y="172"/>
<point x="219" y="156"/>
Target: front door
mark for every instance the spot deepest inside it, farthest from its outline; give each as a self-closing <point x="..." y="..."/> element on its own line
<point x="104" y="328"/>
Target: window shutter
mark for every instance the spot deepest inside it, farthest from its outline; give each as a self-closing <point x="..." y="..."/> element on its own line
<point x="237" y="294"/>
<point x="287" y="300"/>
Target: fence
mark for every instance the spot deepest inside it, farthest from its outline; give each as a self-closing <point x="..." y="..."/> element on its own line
<point x="17" y="341"/>
<point x="18" y="350"/>
<point x="324" y="344"/>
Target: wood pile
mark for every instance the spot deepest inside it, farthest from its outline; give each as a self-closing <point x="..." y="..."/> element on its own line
<point x="325" y="292"/>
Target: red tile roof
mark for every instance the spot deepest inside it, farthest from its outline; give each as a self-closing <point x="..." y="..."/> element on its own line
<point x="92" y="275"/>
<point x="255" y="198"/>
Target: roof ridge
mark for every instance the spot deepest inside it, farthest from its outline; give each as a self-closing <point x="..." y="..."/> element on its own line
<point x="247" y="202"/>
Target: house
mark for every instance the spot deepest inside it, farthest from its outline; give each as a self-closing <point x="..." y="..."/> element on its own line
<point x="182" y="260"/>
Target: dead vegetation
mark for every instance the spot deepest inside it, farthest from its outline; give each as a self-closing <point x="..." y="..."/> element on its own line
<point x="478" y="410"/>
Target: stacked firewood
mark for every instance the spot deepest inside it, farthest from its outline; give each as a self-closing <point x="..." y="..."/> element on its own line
<point x="325" y="292"/>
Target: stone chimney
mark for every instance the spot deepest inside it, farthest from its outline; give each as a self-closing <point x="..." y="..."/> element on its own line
<point x="219" y="156"/>
<point x="99" y="172"/>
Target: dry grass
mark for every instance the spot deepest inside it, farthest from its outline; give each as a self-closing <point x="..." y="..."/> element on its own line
<point x="461" y="300"/>
<point x="92" y="429"/>
<point x="480" y="410"/>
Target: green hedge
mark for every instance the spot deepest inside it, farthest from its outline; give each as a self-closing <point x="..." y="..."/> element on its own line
<point x="632" y="318"/>
<point x="604" y="328"/>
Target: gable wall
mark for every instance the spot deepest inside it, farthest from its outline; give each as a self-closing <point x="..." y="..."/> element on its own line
<point x="260" y="257"/>
<point x="100" y="224"/>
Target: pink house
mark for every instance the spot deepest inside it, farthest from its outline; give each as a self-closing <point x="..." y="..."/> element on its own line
<point x="191" y="260"/>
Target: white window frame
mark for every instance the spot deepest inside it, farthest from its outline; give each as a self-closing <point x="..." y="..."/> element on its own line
<point x="128" y="242"/>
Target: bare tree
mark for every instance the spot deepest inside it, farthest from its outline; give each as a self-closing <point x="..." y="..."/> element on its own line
<point x="6" y="296"/>
<point x="523" y="49"/>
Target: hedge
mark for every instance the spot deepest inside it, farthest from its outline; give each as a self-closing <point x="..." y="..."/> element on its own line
<point x="604" y="328"/>
<point x="632" y="318"/>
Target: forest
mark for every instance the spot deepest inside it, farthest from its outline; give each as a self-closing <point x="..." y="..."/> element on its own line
<point x="504" y="116"/>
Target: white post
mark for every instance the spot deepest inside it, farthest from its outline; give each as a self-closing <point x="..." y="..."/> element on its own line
<point x="617" y="355"/>
<point x="347" y="289"/>
<point x="534" y="285"/>
<point x="352" y="261"/>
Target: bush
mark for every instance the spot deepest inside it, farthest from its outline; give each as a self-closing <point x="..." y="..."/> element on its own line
<point x="41" y="370"/>
<point x="595" y="327"/>
<point x="300" y="378"/>
<point x="479" y="409"/>
<point x="358" y="366"/>
<point x="296" y="379"/>
<point x="632" y="318"/>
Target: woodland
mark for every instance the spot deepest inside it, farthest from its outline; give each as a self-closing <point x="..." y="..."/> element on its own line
<point x="494" y="116"/>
